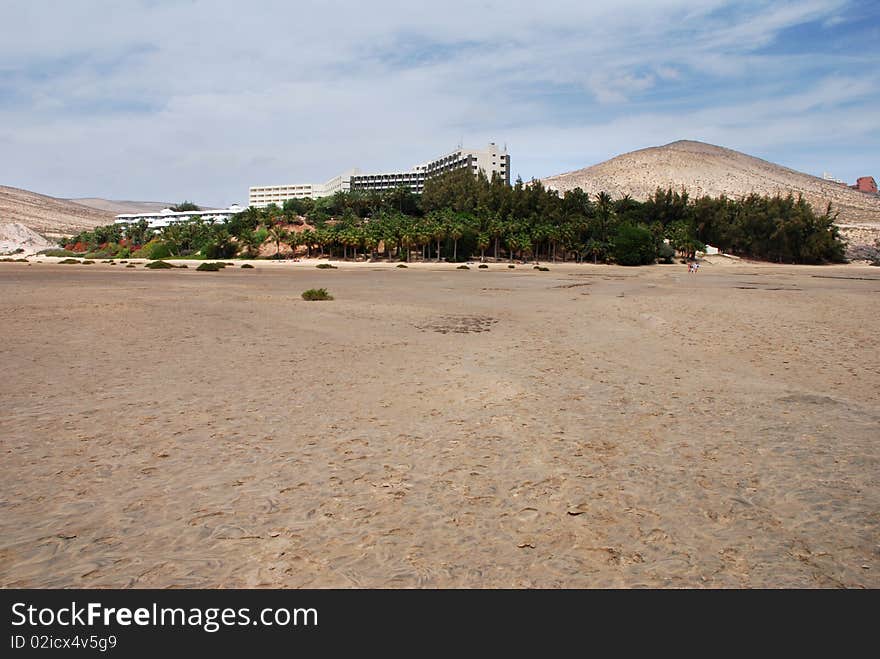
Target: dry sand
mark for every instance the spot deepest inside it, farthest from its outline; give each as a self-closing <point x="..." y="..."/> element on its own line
<point x="583" y="427"/>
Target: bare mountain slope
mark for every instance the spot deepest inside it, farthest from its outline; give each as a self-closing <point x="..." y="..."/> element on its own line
<point x="705" y="169"/>
<point x="48" y="215"/>
<point x="119" y="206"/>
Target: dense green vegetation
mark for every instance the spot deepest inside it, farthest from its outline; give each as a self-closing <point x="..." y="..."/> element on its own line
<point x="461" y="216"/>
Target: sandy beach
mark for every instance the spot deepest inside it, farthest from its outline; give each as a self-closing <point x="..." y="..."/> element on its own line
<point x="590" y="426"/>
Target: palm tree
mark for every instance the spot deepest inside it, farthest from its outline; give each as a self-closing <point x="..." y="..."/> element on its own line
<point x="423" y="236"/>
<point x="278" y="234"/>
<point x="595" y="248"/>
<point x="322" y="239"/>
<point x="308" y="239"/>
<point x="251" y="240"/>
<point x="496" y="230"/>
<point x="604" y="211"/>
<point x="407" y="239"/>
<point x="456" y="231"/>
<point x="439" y="233"/>
<point x="482" y="244"/>
<point x="512" y="241"/>
<point x="371" y="243"/>
<point x="294" y="239"/>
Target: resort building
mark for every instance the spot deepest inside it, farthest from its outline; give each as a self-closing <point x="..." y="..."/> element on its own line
<point x="263" y="195"/>
<point x="491" y="161"/>
<point x="167" y="216"/>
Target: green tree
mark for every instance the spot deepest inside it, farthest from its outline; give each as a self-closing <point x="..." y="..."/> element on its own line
<point x="633" y="245"/>
<point x="278" y="234"/>
<point x="185" y="206"/>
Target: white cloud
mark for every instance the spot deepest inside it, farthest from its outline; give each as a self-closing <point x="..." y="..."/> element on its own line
<point x="202" y="99"/>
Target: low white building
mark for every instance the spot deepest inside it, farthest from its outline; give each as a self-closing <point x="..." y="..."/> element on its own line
<point x="167" y="216"/>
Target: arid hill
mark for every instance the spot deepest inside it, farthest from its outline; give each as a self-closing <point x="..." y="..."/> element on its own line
<point x="49" y="216"/>
<point x="119" y="206"/>
<point x="705" y="169"/>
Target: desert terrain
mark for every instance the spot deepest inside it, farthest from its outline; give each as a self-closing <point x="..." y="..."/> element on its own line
<point x="590" y="426"/>
<point x="706" y="169"/>
<point x="49" y="216"/>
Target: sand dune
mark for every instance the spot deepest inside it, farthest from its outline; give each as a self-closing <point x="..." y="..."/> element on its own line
<point x="587" y="426"/>
<point x="15" y="237"/>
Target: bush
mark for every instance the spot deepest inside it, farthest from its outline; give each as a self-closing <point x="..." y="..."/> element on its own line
<point x="633" y="245"/>
<point x="210" y="267"/>
<point x="462" y="267"/>
<point x="511" y="266"/>
<point x="665" y="253"/>
<point x="153" y="250"/>
<point x="221" y="248"/>
<point x="316" y="294"/>
<point x="482" y="265"/>
<point x="87" y="262"/>
<point x="101" y="254"/>
<point x="247" y="266"/>
<point x="402" y="265"/>
<point x="57" y="252"/>
<point x="69" y="261"/>
<point x="327" y="266"/>
<point x="130" y="265"/>
<point x="542" y="268"/>
<point x="159" y="265"/>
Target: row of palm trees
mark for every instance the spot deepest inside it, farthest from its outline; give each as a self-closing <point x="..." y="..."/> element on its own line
<point x="435" y="236"/>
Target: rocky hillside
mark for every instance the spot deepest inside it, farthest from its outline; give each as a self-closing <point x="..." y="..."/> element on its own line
<point x="705" y="169"/>
<point x="47" y="215"/>
<point x="117" y="206"/>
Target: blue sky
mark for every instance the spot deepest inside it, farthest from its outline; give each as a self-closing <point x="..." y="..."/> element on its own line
<point x="156" y="100"/>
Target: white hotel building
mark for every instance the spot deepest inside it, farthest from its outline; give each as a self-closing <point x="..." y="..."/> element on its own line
<point x="490" y="161"/>
<point x="167" y="216"/>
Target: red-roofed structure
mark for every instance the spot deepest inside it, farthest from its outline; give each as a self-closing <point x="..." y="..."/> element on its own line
<point x="865" y="184"/>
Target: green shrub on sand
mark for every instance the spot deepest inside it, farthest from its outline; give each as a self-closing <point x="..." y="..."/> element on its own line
<point x="462" y="267"/>
<point x="57" y="252"/>
<point x="402" y="265"/>
<point x="210" y="267"/>
<point x="326" y="266"/>
<point x="482" y="266"/>
<point x="69" y="261"/>
<point x="316" y="294"/>
<point x="247" y="266"/>
<point x="159" y="265"/>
